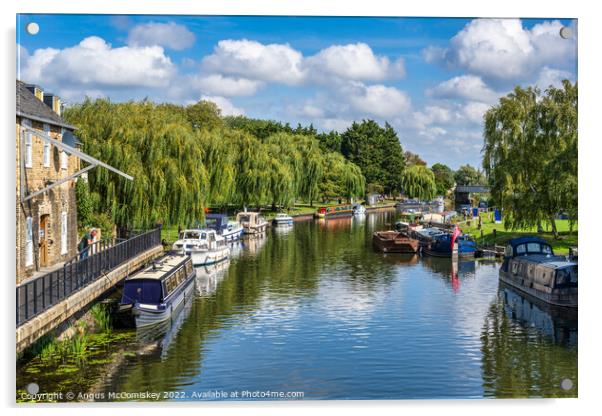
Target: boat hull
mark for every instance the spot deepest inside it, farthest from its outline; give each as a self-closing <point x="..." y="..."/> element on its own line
<point x="283" y="223"/>
<point x="394" y="242"/>
<point x="203" y="258"/>
<point x="144" y="317"/>
<point x="566" y="297"/>
<point x="232" y="235"/>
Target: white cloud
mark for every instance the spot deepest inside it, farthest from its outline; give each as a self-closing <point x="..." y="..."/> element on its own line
<point x="378" y="100"/>
<point x="470" y="87"/>
<point x="338" y="124"/>
<point x="353" y="62"/>
<point x="225" y="86"/>
<point x="170" y="35"/>
<point x="228" y="109"/>
<point x="549" y="76"/>
<point x="474" y="111"/>
<point x="502" y="50"/>
<point x="94" y="64"/>
<point x="251" y="59"/>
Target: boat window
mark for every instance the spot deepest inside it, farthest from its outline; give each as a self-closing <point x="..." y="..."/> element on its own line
<point x="546" y="249"/>
<point x="508" y="251"/>
<point x="170" y="284"/>
<point x="189" y="235"/>
<point x="244" y="218"/>
<point x="566" y="277"/>
<point x="142" y="291"/>
<point x="521" y="249"/>
<point x="534" y="248"/>
<point x="188" y="267"/>
<point x="203" y="236"/>
<point x="514" y="268"/>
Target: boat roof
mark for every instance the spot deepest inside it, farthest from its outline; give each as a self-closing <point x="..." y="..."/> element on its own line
<point x="527" y="239"/>
<point x="162" y="268"/>
<point x="216" y="215"/>
<point x="553" y="262"/>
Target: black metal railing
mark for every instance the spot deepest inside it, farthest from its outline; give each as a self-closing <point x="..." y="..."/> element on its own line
<point x="41" y="293"/>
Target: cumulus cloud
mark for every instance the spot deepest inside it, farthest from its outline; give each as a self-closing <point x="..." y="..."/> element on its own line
<point x="470" y="87"/>
<point x="225" y="86"/>
<point x="251" y="59"/>
<point x="228" y="109"/>
<point x="552" y="77"/>
<point x="378" y="100"/>
<point x="502" y="50"/>
<point x="94" y="64"/>
<point x="353" y="62"/>
<point x="169" y="35"/>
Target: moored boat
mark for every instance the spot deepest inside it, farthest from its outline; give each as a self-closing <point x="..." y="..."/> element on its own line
<point x="282" y="219"/>
<point x="440" y="242"/>
<point x="531" y="267"/>
<point x="251" y="222"/>
<point x="335" y="211"/>
<point x="154" y="294"/>
<point x="230" y="230"/>
<point x="394" y="242"/>
<point x="358" y="209"/>
<point x="204" y="246"/>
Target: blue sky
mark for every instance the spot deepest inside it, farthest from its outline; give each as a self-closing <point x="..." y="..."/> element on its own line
<point x="432" y="79"/>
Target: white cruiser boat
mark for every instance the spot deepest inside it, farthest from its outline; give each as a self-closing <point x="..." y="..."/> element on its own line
<point x="282" y="219"/>
<point x="252" y="222"/>
<point x="203" y="246"/>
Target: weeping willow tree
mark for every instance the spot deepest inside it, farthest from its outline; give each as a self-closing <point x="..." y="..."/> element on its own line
<point x="530" y="155"/>
<point x="341" y="178"/>
<point x="155" y="146"/>
<point x="418" y="181"/>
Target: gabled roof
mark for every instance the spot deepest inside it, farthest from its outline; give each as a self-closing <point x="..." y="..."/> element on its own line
<point x="527" y="239"/>
<point x="29" y="106"/>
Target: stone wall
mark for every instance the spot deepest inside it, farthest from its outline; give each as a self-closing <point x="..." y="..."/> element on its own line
<point x="52" y="203"/>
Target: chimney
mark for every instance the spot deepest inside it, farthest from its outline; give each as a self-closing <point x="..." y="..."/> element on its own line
<point x="53" y="102"/>
<point x="37" y="91"/>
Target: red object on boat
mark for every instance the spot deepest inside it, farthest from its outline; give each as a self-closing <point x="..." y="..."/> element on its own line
<point x="455" y="235"/>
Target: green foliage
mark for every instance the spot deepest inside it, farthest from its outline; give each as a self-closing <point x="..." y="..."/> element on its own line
<point x="468" y="175"/>
<point x="202" y="115"/>
<point x="104" y="222"/>
<point x="102" y="317"/>
<point x="413" y="159"/>
<point x="182" y="164"/>
<point x="155" y="145"/>
<point x="419" y="182"/>
<point x="330" y="142"/>
<point x="530" y="154"/>
<point x="84" y="202"/>
<point x="444" y="178"/>
<point x="377" y="151"/>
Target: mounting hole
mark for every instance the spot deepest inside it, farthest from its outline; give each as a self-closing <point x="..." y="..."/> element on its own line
<point x="566" y="32"/>
<point x="566" y="384"/>
<point x="32" y="28"/>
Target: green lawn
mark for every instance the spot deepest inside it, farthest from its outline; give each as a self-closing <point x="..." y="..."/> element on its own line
<point x="561" y="246"/>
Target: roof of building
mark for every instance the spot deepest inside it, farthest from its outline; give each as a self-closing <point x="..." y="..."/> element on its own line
<point x="28" y="105"/>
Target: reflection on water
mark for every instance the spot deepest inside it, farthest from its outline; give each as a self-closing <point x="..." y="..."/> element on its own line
<point x="317" y="310"/>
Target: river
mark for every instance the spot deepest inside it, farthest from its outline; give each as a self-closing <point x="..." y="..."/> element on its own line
<point x="314" y="312"/>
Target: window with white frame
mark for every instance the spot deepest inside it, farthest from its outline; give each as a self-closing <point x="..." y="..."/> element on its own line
<point x="64" y="156"/>
<point x="29" y="242"/>
<point x="46" y="147"/>
<point x="28" y="144"/>
<point x="64" y="247"/>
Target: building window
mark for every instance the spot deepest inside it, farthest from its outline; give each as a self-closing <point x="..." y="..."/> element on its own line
<point x="28" y="144"/>
<point x="46" y="147"/>
<point x="29" y="242"/>
<point x="64" y="247"/>
<point x="64" y="155"/>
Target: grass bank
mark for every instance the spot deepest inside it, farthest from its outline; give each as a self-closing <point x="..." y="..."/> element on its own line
<point x="561" y="245"/>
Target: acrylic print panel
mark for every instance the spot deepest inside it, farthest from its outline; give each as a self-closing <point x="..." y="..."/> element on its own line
<point x="295" y="208"/>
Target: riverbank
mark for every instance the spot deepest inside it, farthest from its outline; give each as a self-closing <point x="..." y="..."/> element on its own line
<point x="561" y="245"/>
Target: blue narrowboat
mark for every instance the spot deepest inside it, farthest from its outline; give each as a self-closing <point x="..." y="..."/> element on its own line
<point x="531" y="267"/>
<point x="159" y="291"/>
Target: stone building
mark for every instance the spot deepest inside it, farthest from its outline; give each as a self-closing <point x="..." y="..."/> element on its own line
<point x="46" y="222"/>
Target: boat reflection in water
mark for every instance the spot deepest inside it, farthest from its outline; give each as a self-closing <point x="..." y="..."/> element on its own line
<point x="209" y="277"/>
<point x="520" y="331"/>
<point x="155" y="340"/>
<point x="560" y="324"/>
<point x="252" y="243"/>
<point x="453" y="269"/>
